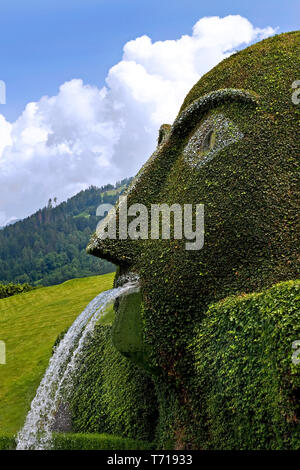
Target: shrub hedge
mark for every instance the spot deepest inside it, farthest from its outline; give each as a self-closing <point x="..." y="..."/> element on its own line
<point x="83" y="442"/>
<point x="7" y="290"/>
<point x="111" y="394"/>
<point x="246" y="384"/>
<point x="7" y="441"/>
<point x="97" y="442"/>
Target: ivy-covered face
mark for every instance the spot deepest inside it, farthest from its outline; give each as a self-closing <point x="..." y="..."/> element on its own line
<point x="231" y="149"/>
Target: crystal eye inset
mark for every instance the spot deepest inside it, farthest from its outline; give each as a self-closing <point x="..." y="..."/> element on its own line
<point x="214" y="134"/>
<point x="209" y="140"/>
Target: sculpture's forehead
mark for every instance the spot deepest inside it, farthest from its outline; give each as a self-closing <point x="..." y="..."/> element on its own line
<point x="257" y="78"/>
<point x="267" y="68"/>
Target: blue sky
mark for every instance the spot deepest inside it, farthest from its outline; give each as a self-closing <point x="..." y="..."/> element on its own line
<point x="89" y="82"/>
<point x="45" y="43"/>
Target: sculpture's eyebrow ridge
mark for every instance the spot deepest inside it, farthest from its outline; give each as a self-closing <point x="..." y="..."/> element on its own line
<point x="193" y="113"/>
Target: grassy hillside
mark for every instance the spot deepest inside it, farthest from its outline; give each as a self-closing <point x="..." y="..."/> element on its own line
<point x="29" y="325"/>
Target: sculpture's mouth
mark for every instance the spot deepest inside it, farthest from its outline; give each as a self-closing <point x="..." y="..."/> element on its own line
<point x="127" y="276"/>
<point x="127" y="311"/>
<point x="123" y="305"/>
<point x="127" y="330"/>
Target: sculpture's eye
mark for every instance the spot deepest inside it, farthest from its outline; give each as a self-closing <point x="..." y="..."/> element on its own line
<point x="214" y="134"/>
<point x="209" y="140"/>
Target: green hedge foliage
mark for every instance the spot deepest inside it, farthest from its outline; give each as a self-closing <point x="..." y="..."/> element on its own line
<point x="7" y="290"/>
<point x="7" y="441"/>
<point x="97" y="442"/>
<point x="83" y="442"/>
<point x="247" y="388"/>
<point x="111" y="394"/>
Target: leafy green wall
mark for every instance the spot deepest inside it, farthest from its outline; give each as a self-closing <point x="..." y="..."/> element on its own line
<point x="82" y="441"/>
<point x="111" y="394"/>
<point x="246" y="384"/>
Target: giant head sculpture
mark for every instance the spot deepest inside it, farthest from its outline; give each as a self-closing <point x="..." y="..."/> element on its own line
<point x="232" y="151"/>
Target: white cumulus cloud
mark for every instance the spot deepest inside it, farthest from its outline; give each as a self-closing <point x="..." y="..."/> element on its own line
<point x="87" y="135"/>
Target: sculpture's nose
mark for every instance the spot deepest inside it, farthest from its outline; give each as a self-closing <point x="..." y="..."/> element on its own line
<point x="111" y="250"/>
<point x="111" y="241"/>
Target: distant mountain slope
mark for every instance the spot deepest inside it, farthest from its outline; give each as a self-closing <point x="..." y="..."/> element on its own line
<point x="49" y="246"/>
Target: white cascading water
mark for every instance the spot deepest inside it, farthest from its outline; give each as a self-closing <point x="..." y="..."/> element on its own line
<point x="36" y="433"/>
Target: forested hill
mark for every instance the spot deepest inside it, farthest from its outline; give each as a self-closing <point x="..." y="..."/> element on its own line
<point x="49" y="246"/>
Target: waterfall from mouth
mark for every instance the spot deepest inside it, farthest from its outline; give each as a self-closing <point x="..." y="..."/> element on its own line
<point x="36" y="433"/>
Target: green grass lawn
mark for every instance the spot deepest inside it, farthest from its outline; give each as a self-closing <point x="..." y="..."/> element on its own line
<point x="29" y="325"/>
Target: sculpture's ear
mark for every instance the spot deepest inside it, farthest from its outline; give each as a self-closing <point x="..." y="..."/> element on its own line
<point x="163" y="134"/>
